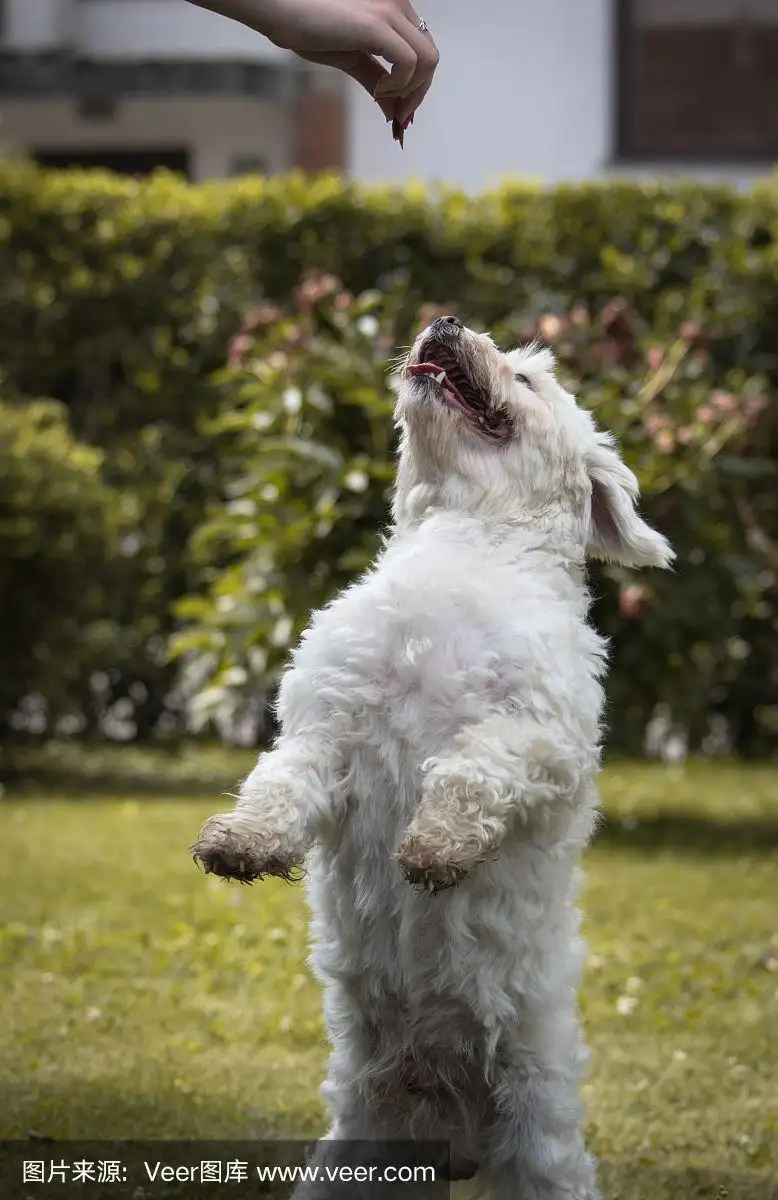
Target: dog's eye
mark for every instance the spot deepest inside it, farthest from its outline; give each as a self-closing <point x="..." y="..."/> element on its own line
<point x="523" y="379"/>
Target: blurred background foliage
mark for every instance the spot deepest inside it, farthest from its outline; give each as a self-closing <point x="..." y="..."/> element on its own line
<point x="216" y="452"/>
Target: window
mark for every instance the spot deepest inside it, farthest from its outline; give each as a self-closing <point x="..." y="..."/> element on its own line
<point x="247" y="164"/>
<point x="697" y="80"/>
<point x="124" y="162"/>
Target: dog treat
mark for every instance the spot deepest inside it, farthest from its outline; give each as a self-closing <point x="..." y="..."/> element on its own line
<point x="398" y="130"/>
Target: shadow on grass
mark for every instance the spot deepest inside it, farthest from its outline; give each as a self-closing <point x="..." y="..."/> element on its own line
<point x="76" y="1111"/>
<point x="638" y="1181"/>
<point x="54" y="1114"/>
<point x="96" y="785"/>
<point x="690" y="833"/>
<point x="190" y="771"/>
<point x="69" y="772"/>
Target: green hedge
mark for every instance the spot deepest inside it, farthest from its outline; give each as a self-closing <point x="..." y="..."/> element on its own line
<point x="120" y="300"/>
<point x="59" y="526"/>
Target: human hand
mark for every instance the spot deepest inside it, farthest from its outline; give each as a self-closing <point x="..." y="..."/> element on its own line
<point x="350" y="35"/>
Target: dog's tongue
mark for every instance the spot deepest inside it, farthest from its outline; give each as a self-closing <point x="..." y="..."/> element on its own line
<point x="425" y="369"/>
<point x="439" y="374"/>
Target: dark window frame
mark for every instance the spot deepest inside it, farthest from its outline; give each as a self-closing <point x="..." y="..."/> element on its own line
<point x="121" y="160"/>
<point x="625" y="98"/>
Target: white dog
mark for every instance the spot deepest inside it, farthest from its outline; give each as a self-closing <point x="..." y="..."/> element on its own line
<point x="437" y="762"/>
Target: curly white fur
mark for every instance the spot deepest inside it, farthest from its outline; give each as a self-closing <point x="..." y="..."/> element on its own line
<point x="441" y="725"/>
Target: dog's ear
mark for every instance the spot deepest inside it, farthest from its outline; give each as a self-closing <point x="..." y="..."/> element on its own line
<point x="616" y="533"/>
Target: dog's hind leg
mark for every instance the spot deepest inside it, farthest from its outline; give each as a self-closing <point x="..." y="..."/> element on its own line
<point x="351" y="1162"/>
<point x="386" y="1104"/>
<point x="537" y="1149"/>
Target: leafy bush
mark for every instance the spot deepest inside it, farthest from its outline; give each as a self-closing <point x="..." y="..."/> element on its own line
<point x="58" y="528"/>
<point x="120" y="300"/>
<point x="304" y="443"/>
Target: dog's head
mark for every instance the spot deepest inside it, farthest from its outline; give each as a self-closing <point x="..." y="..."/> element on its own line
<point x="495" y="434"/>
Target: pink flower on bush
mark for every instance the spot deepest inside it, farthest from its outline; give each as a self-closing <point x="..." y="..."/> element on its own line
<point x="296" y="338"/>
<point x="258" y="318"/>
<point x="549" y="327"/>
<point x="616" y="320"/>
<point x="654" y="421"/>
<point x="238" y="349"/>
<point x="690" y="331"/>
<point x="655" y="357"/>
<point x="706" y="415"/>
<point x="314" y="288"/>
<point x="633" y="598"/>
<point x="342" y="301"/>
<point x="685" y="435"/>
<point x="615" y="310"/>
<point x="723" y="402"/>
<point x="665" y="441"/>
<point x="755" y="405"/>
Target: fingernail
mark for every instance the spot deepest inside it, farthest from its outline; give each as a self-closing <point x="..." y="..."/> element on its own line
<point x="408" y="121"/>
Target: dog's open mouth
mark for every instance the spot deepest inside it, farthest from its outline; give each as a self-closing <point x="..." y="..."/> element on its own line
<point x="440" y="364"/>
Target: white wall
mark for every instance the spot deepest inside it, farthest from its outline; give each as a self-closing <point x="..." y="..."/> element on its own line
<point x="214" y="129"/>
<point x="523" y="88"/>
<point x="37" y="25"/>
<point x="165" y="29"/>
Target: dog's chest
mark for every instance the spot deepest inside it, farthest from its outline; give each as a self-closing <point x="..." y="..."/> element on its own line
<point x="438" y="679"/>
<point x="419" y="660"/>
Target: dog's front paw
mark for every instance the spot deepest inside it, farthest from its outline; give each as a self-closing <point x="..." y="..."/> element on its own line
<point x="225" y="849"/>
<point x="426" y="868"/>
<point x="455" y="827"/>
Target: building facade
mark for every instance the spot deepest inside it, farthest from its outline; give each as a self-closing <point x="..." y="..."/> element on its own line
<point x="551" y="90"/>
<point x="566" y="90"/>
<point x="133" y="84"/>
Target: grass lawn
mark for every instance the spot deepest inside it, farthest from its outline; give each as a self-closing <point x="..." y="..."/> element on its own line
<point x="139" y="998"/>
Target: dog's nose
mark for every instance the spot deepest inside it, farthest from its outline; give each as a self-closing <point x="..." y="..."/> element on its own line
<point x="447" y="324"/>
